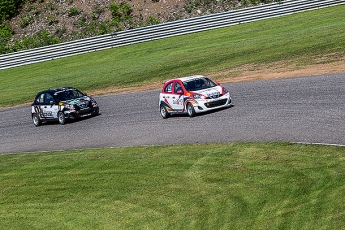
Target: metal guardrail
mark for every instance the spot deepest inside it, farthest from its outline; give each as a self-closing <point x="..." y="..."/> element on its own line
<point x="165" y="30"/>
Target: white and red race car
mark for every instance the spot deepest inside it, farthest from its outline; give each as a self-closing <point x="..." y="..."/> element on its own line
<point x="193" y="94"/>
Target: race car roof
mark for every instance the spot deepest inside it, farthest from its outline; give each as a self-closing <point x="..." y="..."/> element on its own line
<point x="189" y="78"/>
<point x="57" y="89"/>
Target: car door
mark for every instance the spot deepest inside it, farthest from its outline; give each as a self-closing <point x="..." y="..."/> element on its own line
<point x="175" y="98"/>
<point x="37" y="106"/>
<point x="47" y="106"/>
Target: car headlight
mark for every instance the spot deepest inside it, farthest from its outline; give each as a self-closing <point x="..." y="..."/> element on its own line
<point x="225" y="91"/>
<point x="70" y="107"/>
<point x="93" y="102"/>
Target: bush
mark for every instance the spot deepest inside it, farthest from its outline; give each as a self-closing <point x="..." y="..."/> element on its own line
<point x="121" y="15"/>
<point x="9" y="8"/>
<point x="42" y="38"/>
<point x="25" y="20"/>
<point x="5" y="36"/>
<point x="73" y="11"/>
<point x="115" y="10"/>
<point x="103" y="29"/>
<point x="123" y="10"/>
<point x="51" y="6"/>
<point x="97" y="11"/>
<point x="52" y="19"/>
<point x="151" y="21"/>
<point x="59" y="32"/>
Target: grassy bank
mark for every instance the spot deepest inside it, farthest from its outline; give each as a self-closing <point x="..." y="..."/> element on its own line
<point x="301" y="39"/>
<point x="206" y="186"/>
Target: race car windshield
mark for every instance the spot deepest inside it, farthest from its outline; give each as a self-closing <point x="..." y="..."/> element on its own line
<point x="69" y="95"/>
<point x="198" y="84"/>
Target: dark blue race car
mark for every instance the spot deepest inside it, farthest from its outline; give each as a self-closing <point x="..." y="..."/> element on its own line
<point x="62" y="104"/>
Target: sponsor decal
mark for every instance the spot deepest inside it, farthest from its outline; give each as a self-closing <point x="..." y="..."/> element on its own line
<point x="213" y="94"/>
<point x="178" y="101"/>
<point x="42" y="113"/>
<point x="37" y="109"/>
<point x="48" y="114"/>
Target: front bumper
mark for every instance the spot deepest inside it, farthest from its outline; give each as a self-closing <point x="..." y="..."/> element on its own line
<point x="89" y="111"/>
<point x="203" y="105"/>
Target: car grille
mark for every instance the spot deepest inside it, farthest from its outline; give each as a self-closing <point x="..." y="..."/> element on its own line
<point x="216" y="103"/>
<point x="83" y="104"/>
<point x="214" y="95"/>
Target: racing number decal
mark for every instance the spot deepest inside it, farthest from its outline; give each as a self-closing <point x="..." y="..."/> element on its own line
<point x="41" y="113"/>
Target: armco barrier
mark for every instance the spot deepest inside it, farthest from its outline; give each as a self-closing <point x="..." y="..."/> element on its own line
<point x="164" y="30"/>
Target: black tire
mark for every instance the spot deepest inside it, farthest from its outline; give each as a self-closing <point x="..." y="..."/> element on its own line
<point x="190" y="110"/>
<point x="61" y="118"/>
<point x="164" y="112"/>
<point x="95" y="112"/>
<point x="36" y="119"/>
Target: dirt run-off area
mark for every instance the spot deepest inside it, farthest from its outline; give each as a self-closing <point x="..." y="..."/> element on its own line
<point x="249" y="73"/>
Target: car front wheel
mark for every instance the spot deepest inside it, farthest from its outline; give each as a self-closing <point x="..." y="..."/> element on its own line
<point x="36" y="119"/>
<point x="62" y="118"/>
<point x="164" y="112"/>
<point x="190" y="110"/>
<point x="95" y="112"/>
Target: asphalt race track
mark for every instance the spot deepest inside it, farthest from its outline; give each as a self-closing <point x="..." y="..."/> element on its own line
<point x="304" y="109"/>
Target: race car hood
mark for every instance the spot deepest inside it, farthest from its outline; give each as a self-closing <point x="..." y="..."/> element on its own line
<point x="210" y="92"/>
<point x="80" y="102"/>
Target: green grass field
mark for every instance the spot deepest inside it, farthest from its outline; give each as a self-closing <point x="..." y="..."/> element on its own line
<point x="205" y="186"/>
<point x="300" y="39"/>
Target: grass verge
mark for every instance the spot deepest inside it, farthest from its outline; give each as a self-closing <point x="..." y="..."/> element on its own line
<point x="299" y="39"/>
<point x="205" y="186"/>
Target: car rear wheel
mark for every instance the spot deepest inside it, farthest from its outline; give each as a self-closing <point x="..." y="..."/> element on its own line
<point x="190" y="110"/>
<point x="36" y="119"/>
<point x="164" y="112"/>
<point x="61" y="118"/>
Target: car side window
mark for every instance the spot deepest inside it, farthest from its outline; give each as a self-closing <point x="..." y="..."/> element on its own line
<point x="48" y="99"/>
<point x="40" y="99"/>
<point x="168" y="88"/>
<point x="177" y="87"/>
